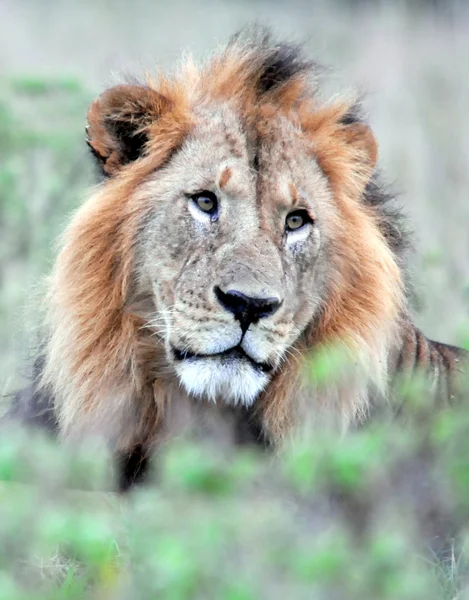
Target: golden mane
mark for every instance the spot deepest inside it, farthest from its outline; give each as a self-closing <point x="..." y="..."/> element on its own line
<point x="98" y="353"/>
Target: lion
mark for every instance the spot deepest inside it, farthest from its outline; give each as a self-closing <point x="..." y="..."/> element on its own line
<point x="240" y="229"/>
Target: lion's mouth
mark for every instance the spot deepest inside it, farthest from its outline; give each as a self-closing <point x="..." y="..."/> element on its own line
<point x="235" y="353"/>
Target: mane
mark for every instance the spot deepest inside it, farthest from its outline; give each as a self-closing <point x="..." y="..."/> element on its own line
<point x="99" y="356"/>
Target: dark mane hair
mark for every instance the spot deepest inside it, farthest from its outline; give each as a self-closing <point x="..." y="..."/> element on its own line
<point x="274" y="64"/>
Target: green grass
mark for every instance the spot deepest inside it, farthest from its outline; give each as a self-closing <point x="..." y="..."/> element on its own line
<point x="44" y="172"/>
<point x="328" y="519"/>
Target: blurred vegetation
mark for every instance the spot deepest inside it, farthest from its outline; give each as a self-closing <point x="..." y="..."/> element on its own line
<point x="43" y="174"/>
<point x="382" y="513"/>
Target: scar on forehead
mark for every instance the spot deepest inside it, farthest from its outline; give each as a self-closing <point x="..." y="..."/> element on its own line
<point x="296" y="200"/>
<point x="293" y="193"/>
<point x="225" y="177"/>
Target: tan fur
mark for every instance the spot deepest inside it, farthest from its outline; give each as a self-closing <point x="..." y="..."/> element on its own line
<point x="366" y="299"/>
<point x="107" y="352"/>
<point x="93" y="340"/>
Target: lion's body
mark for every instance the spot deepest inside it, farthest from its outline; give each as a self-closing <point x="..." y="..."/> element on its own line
<point x="158" y="308"/>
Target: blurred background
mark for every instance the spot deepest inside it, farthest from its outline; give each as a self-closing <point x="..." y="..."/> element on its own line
<point x="410" y="59"/>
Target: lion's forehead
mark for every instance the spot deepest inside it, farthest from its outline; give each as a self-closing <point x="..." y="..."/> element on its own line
<point x="275" y="162"/>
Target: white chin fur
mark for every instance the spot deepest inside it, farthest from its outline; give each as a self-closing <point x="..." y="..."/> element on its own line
<point x="233" y="382"/>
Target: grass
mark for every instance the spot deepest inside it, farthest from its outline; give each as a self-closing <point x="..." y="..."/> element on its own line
<point x="326" y="520"/>
<point x="43" y="172"/>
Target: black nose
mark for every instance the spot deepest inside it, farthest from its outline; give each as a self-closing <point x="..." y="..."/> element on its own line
<point x="246" y="309"/>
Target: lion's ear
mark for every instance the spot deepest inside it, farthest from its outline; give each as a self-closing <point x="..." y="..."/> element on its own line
<point x="361" y="137"/>
<point x="118" y="122"/>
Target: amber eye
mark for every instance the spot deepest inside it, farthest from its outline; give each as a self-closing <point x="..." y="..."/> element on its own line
<point x="296" y="220"/>
<point x="206" y="201"/>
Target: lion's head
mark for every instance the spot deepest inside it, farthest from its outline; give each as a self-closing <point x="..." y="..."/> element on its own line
<point x="236" y="229"/>
<point x="233" y="251"/>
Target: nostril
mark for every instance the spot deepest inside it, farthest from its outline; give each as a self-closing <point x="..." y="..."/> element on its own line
<point x="268" y="307"/>
<point x="247" y="309"/>
<point x="232" y="300"/>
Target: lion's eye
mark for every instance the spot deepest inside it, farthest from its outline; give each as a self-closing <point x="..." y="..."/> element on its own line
<point x="206" y="202"/>
<point x="296" y="220"/>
